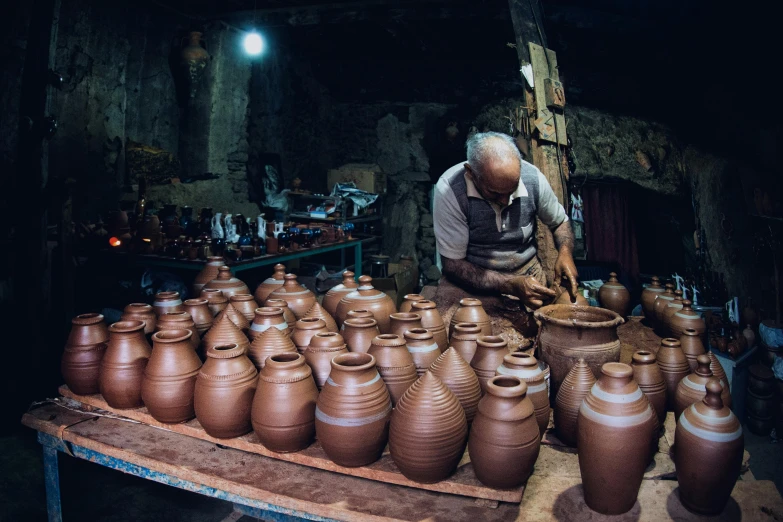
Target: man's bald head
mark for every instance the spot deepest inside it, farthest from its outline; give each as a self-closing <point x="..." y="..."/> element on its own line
<point x="494" y="163"/>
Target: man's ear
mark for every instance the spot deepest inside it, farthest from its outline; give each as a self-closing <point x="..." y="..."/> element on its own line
<point x="469" y="171"/>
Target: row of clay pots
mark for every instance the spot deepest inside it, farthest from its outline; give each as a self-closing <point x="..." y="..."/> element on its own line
<point x="669" y="313"/>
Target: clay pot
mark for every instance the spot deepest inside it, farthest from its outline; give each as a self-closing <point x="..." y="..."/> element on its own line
<point x="614" y="296"/>
<point x="761" y="380"/>
<point x="664" y="328"/>
<point x="464" y="339"/>
<point x="299" y="298"/>
<point x="267" y="317"/>
<point x="661" y="300"/>
<point x="224" y="392"/>
<point x="167" y="302"/>
<point x="237" y="318"/>
<point x="490" y="352"/>
<point x="317" y="312"/>
<point x="708" y="453"/>
<point x="207" y="274"/>
<point x="504" y="438"/>
<point x="216" y="301"/>
<point x="428" y="431"/>
<point x="304" y="330"/>
<point x="615" y="425"/>
<point x="336" y="293"/>
<point x="715" y="367"/>
<point x="401" y="322"/>
<point x="323" y="347"/>
<point x="648" y="376"/>
<point x="408" y="300"/>
<point x="648" y="296"/>
<point x="179" y="321"/>
<point x="432" y="321"/>
<point x="245" y="304"/>
<point x="87" y="330"/>
<point x="270" y="284"/>
<point x="283" y="414"/>
<point x="394" y="363"/>
<point x="573" y="390"/>
<point x="750" y="336"/>
<point x="141" y="312"/>
<point x="692" y="347"/>
<point x="227" y="283"/>
<point x="353" y="411"/>
<point x="170" y="377"/>
<point x="224" y="332"/>
<point x="422" y="348"/>
<point x="685" y="319"/>
<point x="80" y="368"/>
<point x="123" y="365"/>
<point x="288" y="315"/>
<point x="200" y="313"/>
<point x="366" y="297"/>
<point x="270" y="342"/>
<point x="569" y="333"/>
<point x="460" y="378"/>
<point x="471" y="311"/>
<point x="692" y="388"/>
<point x="564" y="298"/>
<point x="674" y="366"/>
<point x="525" y="367"/>
<point x="359" y="333"/>
<point x="359" y="314"/>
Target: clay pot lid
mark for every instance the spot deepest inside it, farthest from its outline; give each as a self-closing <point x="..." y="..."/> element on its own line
<point x="364" y="289"/>
<point x="241" y="297"/>
<point x="690" y="332"/>
<point x="360" y="313"/>
<point x="613" y="282"/>
<point x="492" y="341"/>
<point x="269" y="310"/>
<point x="138" y="308"/>
<point x="361" y="322"/>
<point x="195" y="302"/>
<point x="127" y="326"/>
<point x="617" y="370"/>
<point x="309" y="323"/>
<point x="291" y="286"/>
<point x="644" y="357"/>
<point x="353" y="362"/>
<point x="418" y="334"/>
<point x="713" y="399"/>
<point x="164" y="296"/>
<point x="703" y="368"/>
<point x="466" y="328"/>
<point x="655" y="284"/>
<point x="87" y="319"/>
<point x="225" y="351"/>
<point x="469" y="301"/>
<point x="670" y="342"/>
<point x="687" y="310"/>
<point x="761" y="372"/>
<point x="522" y="359"/>
<point x="405" y="316"/>
<point x="575" y="316"/>
<point x="424" y="305"/>
<point x="506" y="386"/>
<point x="224" y="274"/>
<point x="388" y="340"/>
<point x="326" y="341"/>
<point x="285" y="361"/>
<point x="174" y="335"/>
<point x="349" y="280"/>
<point x="414" y="297"/>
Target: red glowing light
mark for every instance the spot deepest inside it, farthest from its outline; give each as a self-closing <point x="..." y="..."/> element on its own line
<point x="115" y="242"/>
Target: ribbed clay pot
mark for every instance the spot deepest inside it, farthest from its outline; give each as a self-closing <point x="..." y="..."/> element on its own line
<point x="200" y="313"/>
<point x="672" y="307"/>
<point x="80" y="368"/>
<point x="715" y="367"/>
<point x="674" y="366"/>
<point x="525" y="367"/>
<point x="216" y="301"/>
<point x="661" y="300"/>
<point x="224" y="391"/>
<point x="141" y="312"/>
<point x="428" y="431"/>
<point x="270" y="342"/>
<point x="359" y="333"/>
<point x="408" y="300"/>
<point x="573" y="390"/>
<point x="265" y="318"/>
<point x="648" y="296"/>
<point x="614" y="296"/>
<point x="283" y="412"/>
<point x="170" y="377"/>
<point x="208" y="273"/>
<point x="394" y="363"/>
<point x="167" y="302"/>
<point x="422" y="348"/>
<point x="336" y="293"/>
<point x="224" y="332"/>
<point x="708" y="453"/>
<point x="692" y="388"/>
<point x="359" y="313"/>
<point x="471" y="311"/>
<point x="432" y="321"/>
<point x="569" y="333"/>
<point x="464" y="339"/>
<point x="288" y="315"/>
<point x="87" y="330"/>
<point x="686" y="318"/>
<point x="324" y="346"/>
<point x="401" y="322"/>
<point x="179" y="321"/>
<point x="460" y="378"/>
<point x="504" y="438"/>
<point x="615" y="425"/>
<point x="366" y="297"/>
<point x="245" y="304"/>
<point x="299" y="298"/>
<point x="237" y="318"/>
<point x="648" y="376"/>
<point x="488" y="358"/>
<point x="692" y="346"/>
<point x="122" y="366"/>
<point x="353" y="411"/>
<point x="270" y="284"/>
<point x="304" y="330"/>
<point x="317" y="312"/>
<point x="227" y="283"/>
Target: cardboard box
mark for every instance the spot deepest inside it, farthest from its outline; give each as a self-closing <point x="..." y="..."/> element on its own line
<point x="401" y="281"/>
<point x="367" y="176"/>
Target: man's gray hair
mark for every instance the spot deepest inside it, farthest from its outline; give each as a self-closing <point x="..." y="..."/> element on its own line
<point x="484" y="147"/>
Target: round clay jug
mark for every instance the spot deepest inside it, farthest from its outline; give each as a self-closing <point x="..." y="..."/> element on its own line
<point x="299" y="298"/>
<point x="672" y="307"/>
<point x="432" y="321"/>
<point x="408" y="300"/>
<point x="224" y="332"/>
<point x="208" y="273"/>
<point x="460" y="378"/>
<point x="167" y="302"/>
<point x="87" y="330"/>
<point x="615" y="426"/>
<point x="270" y="342"/>
<point x="489" y="356"/>
<point x="179" y="321"/>
<point x="648" y="376"/>
<point x="708" y="453"/>
<point x="394" y="363"/>
<point x="569" y="333"/>
<point x="359" y="333"/>
<point x="692" y="346"/>
<point x="237" y="318"/>
<point x="336" y="293"/>
<point x="471" y="311"/>
<point x="614" y="296"/>
<point x="504" y="437"/>
<point x="673" y="365"/>
<point x="288" y="315"/>
<point x="323" y="347"/>
<point x="141" y="312"/>
<point x="227" y="283"/>
<point x="170" y="377"/>
<point x="123" y="363"/>
<point x="686" y="318"/>
<point x="401" y="322"/>
<point x="216" y="301"/>
<point x="692" y="388"/>
<point x="353" y="411"/>
<point x="428" y="431"/>
<point x="200" y="313"/>
<point x="245" y="304"/>
<point x="661" y="300"/>
<point x="716" y="368"/>
<point x="304" y="330"/>
<point x="525" y="367"/>
<point x="573" y="390"/>
<point x="366" y="297"/>
<point x="317" y="312"/>
<point x="422" y="348"/>
<point x="464" y="339"/>
<point x="648" y="296"/>
<point x="358" y="314"/>
<point x="270" y="284"/>
<point x="265" y="318"/>
<point x="283" y="412"/>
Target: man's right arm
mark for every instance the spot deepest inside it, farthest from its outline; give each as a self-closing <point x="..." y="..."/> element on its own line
<point x="468" y="275"/>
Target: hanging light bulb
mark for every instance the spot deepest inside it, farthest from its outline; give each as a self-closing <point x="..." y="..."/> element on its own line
<point x="254" y="44"/>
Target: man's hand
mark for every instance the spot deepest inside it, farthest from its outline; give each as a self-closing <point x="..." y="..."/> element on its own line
<point x="566" y="269"/>
<point x="529" y="290"/>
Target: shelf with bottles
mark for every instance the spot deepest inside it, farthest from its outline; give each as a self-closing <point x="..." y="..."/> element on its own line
<point x="334" y="210"/>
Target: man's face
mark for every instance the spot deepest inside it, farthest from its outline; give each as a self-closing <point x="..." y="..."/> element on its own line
<point x="498" y="180"/>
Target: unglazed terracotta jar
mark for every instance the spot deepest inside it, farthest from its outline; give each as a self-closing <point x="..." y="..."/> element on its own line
<point x="224" y="332"/>
<point x="237" y="318"/>
<point x="401" y="322"/>
<point x="614" y="296"/>
<point x="664" y="326"/>
<point x="359" y="313"/>
<point x="650" y="380"/>
<point x="353" y="411"/>
<point x="245" y="304"/>
<point x="408" y="300"/>
<point x="216" y="301"/>
<point x="708" y="453"/>
<point x="692" y="346"/>
<point x="227" y="283"/>
<point x="270" y="284"/>
<point x="692" y="388"/>
<point x="471" y="311"/>
<point x="283" y="412"/>
<point x="428" y="431"/>
<point x="715" y="367"/>
<point x="674" y="366"/>
<point x="208" y="273"/>
<point x="648" y="297"/>
<point x="422" y="348"/>
<point x="488" y="358"/>
<point x="265" y="318"/>
<point x="167" y="302"/>
<point x="359" y="333"/>
<point x="572" y="392"/>
<point x="464" y="339"/>
<point x="336" y="293"/>
<point x="615" y="425"/>
<point x="299" y="298"/>
<point x="141" y="312"/>
<point x="460" y="378"/>
<point x="288" y="315"/>
<point x="87" y="330"/>
<point x="317" y="312"/>
<point x="394" y="363"/>
<point x="366" y="297"/>
<point x="200" y="313"/>
<point x="324" y="346"/>
<point x="122" y="366"/>
<point x="569" y="333"/>
<point x="304" y="330"/>
<point x="661" y="300"/>
<point x="270" y="342"/>
<point x="686" y="318"/>
<point x="525" y="367"/>
<point x="179" y="321"/>
<point x="84" y="349"/>
<point x="432" y="321"/>
<point x="504" y="438"/>
<point x="170" y="377"/>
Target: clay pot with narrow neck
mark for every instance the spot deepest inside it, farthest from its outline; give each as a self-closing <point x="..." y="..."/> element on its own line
<point x="167" y="302"/>
<point x="615" y="425"/>
<point x="353" y="411"/>
<point x="336" y="293"/>
<point x="648" y="296"/>
<point x="270" y="284"/>
<point x="299" y="298"/>
<point x="216" y="301"/>
<point x="471" y="311"/>
<point x="394" y="363"/>
<point x="366" y="297"/>
<point x="401" y="322"/>
<point x="245" y="304"/>
<point x="288" y="315"/>
<point x="573" y="390"/>
<point x="692" y="388"/>
<point x="664" y="326"/>
<point x="432" y="321"/>
<point x="489" y="356"/>
<point x="122" y="366"/>
<point x="464" y="339"/>
<point x="265" y="318"/>
<point x="504" y="438"/>
<point x="317" y="312"/>
<point x="141" y="312"/>
<point x="408" y="300"/>
<point x="648" y="376"/>
<point x="283" y="413"/>
<point x="674" y="367"/>
<point x="661" y="300"/>
<point x="235" y="317"/>
<point x="359" y="333"/>
<point x="422" y="348"/>
<point x="614" y="296"/>
<point x="686" y="318"/>
<point x="270" y="342"/>
<point x="208" y="273"/>
<point x="460" y="378"/>
<point x="525" y="367"/>
<point x="227" y="283"/>
<point x="87" y="330"/>
<point x="323" y="347"/>
<point x="224" y="332"/>
<point x="179" y="321"/>
<point x="304" y="330"/>
<point x="692" y="346"/>
<point x="200" y="313"/>
<point x="84" y="349"/>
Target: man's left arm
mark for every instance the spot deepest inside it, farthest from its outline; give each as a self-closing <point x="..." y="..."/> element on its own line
<point x="553" y="215"/>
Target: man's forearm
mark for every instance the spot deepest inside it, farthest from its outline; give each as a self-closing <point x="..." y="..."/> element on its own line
<point x="564" y="236"/>
<point x="466" y="274"/>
